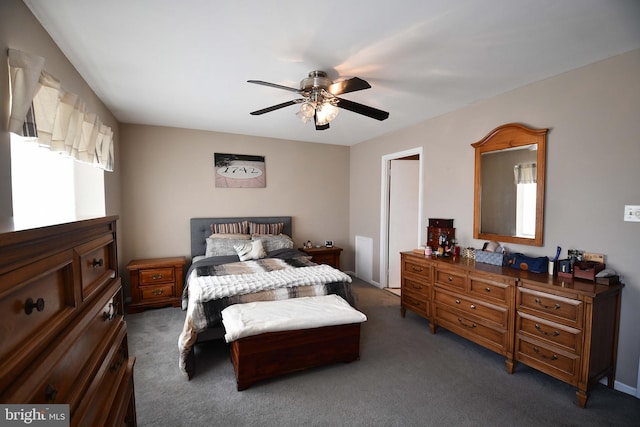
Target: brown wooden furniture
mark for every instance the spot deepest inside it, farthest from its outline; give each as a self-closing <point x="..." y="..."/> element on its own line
<point x="63" y="337"/>
<point x="494" y="166"/>
<point x="273" y="354"/>
<point x="565" y="328"/>
<point x="324" y="255"/>
<point x="156" y="282"/>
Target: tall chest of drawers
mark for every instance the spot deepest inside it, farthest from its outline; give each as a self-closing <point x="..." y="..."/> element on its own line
<point x="63" y="338"/>
<point x="566" y="329"/>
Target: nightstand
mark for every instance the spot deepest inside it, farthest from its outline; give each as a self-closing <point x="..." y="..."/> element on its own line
<point x="155" y="282"/>
<point x="324" y="255"/>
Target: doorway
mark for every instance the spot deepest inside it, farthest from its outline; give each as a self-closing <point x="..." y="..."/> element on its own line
<point x="401" y="217"/>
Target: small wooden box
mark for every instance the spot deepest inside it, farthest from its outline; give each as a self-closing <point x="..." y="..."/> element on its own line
<point x="587" y="270"/>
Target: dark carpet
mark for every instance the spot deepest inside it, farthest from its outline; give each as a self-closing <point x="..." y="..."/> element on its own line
<point x="406" y="376"/>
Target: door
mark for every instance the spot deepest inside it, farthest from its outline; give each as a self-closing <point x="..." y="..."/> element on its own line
<point x="403" y="213"/>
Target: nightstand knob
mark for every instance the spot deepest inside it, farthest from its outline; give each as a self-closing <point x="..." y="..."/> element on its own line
<point x="97" y="263"/>
<point x="157" y="292"/>
<point x="157" y="276"/>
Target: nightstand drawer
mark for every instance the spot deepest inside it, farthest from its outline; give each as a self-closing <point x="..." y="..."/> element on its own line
<point x="156" y="275"/>
<point x="158" y="291"/>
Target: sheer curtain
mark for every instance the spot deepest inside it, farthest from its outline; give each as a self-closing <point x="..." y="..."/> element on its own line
<point x="41" y="109"/>
<point x="525" y="173"/>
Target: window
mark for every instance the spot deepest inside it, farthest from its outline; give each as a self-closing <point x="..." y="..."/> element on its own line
<point x="526" y="210"/>
<point x="48" y="187"/>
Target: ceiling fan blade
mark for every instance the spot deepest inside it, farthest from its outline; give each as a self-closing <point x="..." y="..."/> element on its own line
<point x="260" y="82"/>
<point x="346" y="86"/>
<point x="273" y="108"/>
<point x="365" y="110"/>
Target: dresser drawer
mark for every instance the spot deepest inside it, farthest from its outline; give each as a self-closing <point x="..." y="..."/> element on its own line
<point x="490" y="290"/>
<point x="495" y="339"/>
<point x="564" y="366"/>
<point x="416" y="286"/>
<point x="450" y="279"/>
<point x="36" y="302"/>
<point x="156" y="275"/>
<point x="102" y="391"/>
<point x="549" y="306"/>
<point x="157" y="292"/>
<point x="63" y="374"/>
<point x="492" y="313"/>
<point x="416" y="302"/>
<point x="97" y="264"/>
<point x="553" y="333"/>
<point x="416" y="267"/>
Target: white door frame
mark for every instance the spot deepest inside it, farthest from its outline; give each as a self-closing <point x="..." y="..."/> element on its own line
<point x="384" y="209"/>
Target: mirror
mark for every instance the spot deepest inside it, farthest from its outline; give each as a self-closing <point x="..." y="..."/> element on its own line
<point x="509" y="185"/>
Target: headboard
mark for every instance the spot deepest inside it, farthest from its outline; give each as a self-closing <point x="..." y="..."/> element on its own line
<point x="201" y="228"/>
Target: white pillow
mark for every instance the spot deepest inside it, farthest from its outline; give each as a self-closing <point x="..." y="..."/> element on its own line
<point x="250" y="250"/>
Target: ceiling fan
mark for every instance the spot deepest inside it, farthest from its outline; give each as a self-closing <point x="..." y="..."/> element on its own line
<point x="320" y="100"/>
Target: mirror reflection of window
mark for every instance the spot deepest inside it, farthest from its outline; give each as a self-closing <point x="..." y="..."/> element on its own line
<point x="526" y="189"/>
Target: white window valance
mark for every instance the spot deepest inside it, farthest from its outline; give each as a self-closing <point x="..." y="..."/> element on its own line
<point x="525" y="173"/>
<point x="42" y="110"/>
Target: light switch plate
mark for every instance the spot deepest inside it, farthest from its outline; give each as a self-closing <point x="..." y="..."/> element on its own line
<point x="632" y="213"/>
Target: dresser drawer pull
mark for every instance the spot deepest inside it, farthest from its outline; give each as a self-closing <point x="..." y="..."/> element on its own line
<point x="97" y="263"/>
<point x="157" y="276"/>
<point x="111" y="312"/>
<point x="50" y="393"/>
<point x="554" y="333"/>
<point x="537" y="350"/>
<point x="466" y="325"/>
<point x="450" y="279"/>
<point x="157" y="291"/>
<point x="29" y="305"/>
<point x="416" y="269"/>
<point x="548" y="307"/>
<point x="487" y="289"/>
<point x="457" y="301"/>
<point x="472" y="307"/>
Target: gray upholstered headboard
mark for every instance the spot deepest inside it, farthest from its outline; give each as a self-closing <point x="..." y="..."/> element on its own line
<point x="201" y="228"/>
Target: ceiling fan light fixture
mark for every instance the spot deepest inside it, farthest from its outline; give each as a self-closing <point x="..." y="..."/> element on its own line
<point x="306" y="112"/>
<point x="325" y="113"/>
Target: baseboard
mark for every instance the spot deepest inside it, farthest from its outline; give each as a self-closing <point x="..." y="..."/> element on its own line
<point x="617" y="385"/>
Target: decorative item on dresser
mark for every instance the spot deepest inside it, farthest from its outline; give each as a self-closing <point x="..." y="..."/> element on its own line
<point x="64" y="339"/>
<point x="324" y="255"/>
<point x="565" y="328"/>
<point x="156" y="282"/>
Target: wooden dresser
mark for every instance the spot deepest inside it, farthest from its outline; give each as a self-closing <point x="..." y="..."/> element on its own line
<point x="565" y="328"/>
<point x="63" y="338"/>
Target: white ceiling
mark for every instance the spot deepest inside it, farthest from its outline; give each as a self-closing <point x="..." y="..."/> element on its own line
<point x="185" y="63"/>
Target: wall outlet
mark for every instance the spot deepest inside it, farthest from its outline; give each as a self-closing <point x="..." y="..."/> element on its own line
<point x="632" y="213"/>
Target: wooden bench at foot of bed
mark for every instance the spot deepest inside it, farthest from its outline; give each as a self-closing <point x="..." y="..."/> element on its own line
<point x="273" y="353"/>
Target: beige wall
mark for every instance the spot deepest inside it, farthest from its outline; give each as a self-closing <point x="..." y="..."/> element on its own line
<point x="169" y="178"/>
<point x="20" y="30"/>
<point x="593" y="151"/>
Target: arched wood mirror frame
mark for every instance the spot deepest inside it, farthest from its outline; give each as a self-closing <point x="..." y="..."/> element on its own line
<point x="505" y="138"/>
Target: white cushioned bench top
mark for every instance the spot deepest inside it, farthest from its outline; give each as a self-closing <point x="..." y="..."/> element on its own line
<point x="254" y="318"/>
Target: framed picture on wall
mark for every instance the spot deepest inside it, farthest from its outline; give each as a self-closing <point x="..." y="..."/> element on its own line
<point x="239" y="171"/>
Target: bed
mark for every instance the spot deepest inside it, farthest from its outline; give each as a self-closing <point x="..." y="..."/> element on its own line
<point x="241" y="260"/>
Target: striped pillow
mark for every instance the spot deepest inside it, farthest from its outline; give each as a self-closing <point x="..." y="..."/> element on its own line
<point x="250" y="250"/>
<point x="231" y="228"/>
<point x="275" y="228"/>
